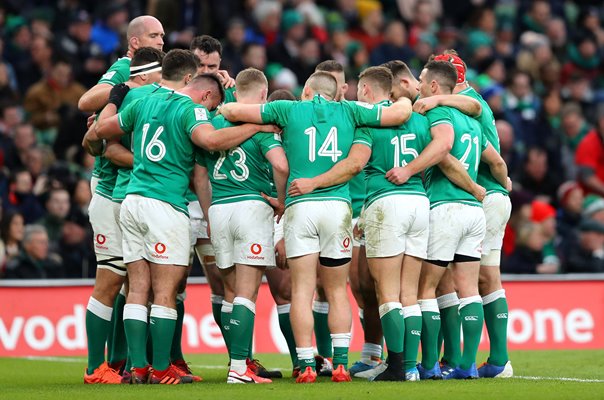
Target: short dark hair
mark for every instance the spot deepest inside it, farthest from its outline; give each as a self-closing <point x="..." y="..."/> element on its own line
<point x="207" y="44"/>
<point x="379" y="76"/>
<point x="209" y="80"/>
<point x="398" y="68"/>
<point x="281" y="94"/>
<point x="178" y="63"/>
<point x="443" y="72"/>
<point x="329" y="66"/>
<point x="146" y="55"/>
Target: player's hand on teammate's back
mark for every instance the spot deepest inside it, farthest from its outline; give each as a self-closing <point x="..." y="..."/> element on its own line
<point x="301" y="186"/>
<point x="479" y="192"/>
<point x="117" y="94"/>
<point x="276" y="204"/>
<point x="269" y="128"/>
<point x="423" y="105"/>
<point x="509" y="186"/>
<point x="280" y="253"/>
<point x="398" y="175"/>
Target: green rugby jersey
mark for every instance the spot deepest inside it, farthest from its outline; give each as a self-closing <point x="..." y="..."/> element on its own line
<point x="119" y="72"/>
<point x="487" y="120"/>
<point x="123" y="173"/>
<point x="164" y="155"/>
<point x="468" y="145"/>
<point x="317" y="134"/>
<point x="393" y="147"/>
<point x="357" y="188"/>
<point x="240" y="173"/>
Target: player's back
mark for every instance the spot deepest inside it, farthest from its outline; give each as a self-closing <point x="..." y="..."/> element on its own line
<point x="163" y="151"/>
<point x="394" y="147"/>
<point x="239" y="173"/>
<point x="468" y="145"/>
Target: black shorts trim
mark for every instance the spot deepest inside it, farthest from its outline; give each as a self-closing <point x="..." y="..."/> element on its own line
<point x="460" y="258"/>
<point x="333" y="262"/>
<point x="439" y="263"/>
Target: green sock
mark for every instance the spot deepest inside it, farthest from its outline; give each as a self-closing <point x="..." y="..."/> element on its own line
<point x="135" y="325"/>
<point x="322" y="333"/>
<point x="118" y="349"/>
<point x="430" y="328"/>
<point x="216" y="302"/>
<point x="472" y="318"/>
<point x="393" y="325"/>
<point x="286" y="329"/>
<point x="98" y="325"/>
<point x="496" y="318"/>
<point x="413" y="331"/>
<point x="450" y="328"/>
<point x="225" y="325"/>
<point x="176" y="350"/>
<point x="163" y="324"/>
<point x="242" y="327"/>
<point x="341" y="342"/>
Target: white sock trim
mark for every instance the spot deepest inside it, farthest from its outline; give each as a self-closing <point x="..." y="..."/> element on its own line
<point x="428" y="305"/>
<point x="412" y="311"/>
<point x="321" y="307"/>
<point x="305" y="354"/>
<point x="387" y="307"/>
<point x="123" y="291"/>
<point x="99" y="309"/>
<point x="247" y="303"/>
<point x="137" y="312"/>
<point x="447" y="300"/>
<point x="491" y="297"/>
<point x="181" y="296"/>
<point x="340" y="339"/>
<point x="239" y="366"/>
<point x="284" y="308"/>
<point x="226" y="307"/>
<point x="216" y="299"/>
<point x="158" y="311"/>
<point x="469" y="300"/>
<point x="371" y="350"/>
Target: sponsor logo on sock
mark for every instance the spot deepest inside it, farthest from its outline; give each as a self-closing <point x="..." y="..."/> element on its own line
<point x="502" y="315"/>
<point x="416" y="332"/>
<point x="436" y="317"/>
<point x="471" y="318"/>
<point x="234" y="322"/>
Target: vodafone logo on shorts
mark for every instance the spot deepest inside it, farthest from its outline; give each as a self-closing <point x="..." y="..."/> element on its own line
<point x="100" y="241"/>
<point x="346" y="244"/>
<point x="160" y="249"/>
<point x="255" y="249"/>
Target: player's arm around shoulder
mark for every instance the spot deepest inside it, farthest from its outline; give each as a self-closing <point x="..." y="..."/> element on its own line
<point x="397" y="114"/>
<point x="465" y="104"/>
<point x="237" y="112"/>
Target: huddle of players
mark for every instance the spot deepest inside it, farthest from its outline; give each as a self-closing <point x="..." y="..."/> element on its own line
<point x="319" y="133"/>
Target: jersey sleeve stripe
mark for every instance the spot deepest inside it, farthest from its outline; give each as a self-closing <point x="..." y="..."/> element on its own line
<point x="442" y="121"/>
<point x="119" y="118"/>
<point x="107" y="82"/>
<point x="197" y="124"/>
<point x="359" y="141"/>
<point x="379" y="113"/>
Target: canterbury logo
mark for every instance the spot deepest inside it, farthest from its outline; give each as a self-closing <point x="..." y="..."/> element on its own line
<point x="234" y="322"/>
<point x="502" y="316"/>
<point x="416" y="333"/>
<point x="436" y="317"/>
<point x="471" y="318"/>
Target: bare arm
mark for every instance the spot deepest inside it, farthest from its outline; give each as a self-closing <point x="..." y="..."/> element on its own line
<point x="497" y="165"/>
<point x="203" y="189"/>
<point x="91" y="143"/>
<point x="278" y="160"/>
<point x="118" y="154"/>
<point x="465" y="104"/>
<point x="342" y="172"/>
<point x="95" y="98"/>
<point x="397" y="114"/>
<point x="207" y="137"/>
<point x="456" y="173"/>
<point x="237" y="112"/>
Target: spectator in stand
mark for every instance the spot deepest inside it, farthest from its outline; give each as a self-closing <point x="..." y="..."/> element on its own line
<point x="369" y="32"/>
<point x="593" y="208"/>
<point x="574" y="128"/>
<point x="508" y="150"/>
<point x="293" y="31"/>
<point x="424" y="21"/>
<point x="308" y="58"/>
<point x="49" y="98"/>
<point x="557" y="34"/>
<point x="8" y="91"/>
<point x="106" y="30"/>
<point x="57" y="207"/>
<point x="35" y="261"/>
<point x="17" y="48"/>
<point x="584" y="58"/>
<point x="24" y="139"/>
<point x="254" y="56"/>
<point x="267" y="20"/>
<point x="394" y="46"/>
<point x="589" y="21"/>
<point x="41" y="62"/>
<point x="545" y="215"/>
<point x="537" y="18"/>
<point x="233" y="47"/>
<point x="75" y="246"/>
<point x="11" y="237"/>
<point x="527" y="257"/>
<point x="358" y="60"/>
<point x="537" y="178"/>
<point x="20" y="197"/>
<point x="85" y="56"/>
<point x="522" y="108"/>
<point x="586" y="251"/>
<point x="589" y="159"/>
<point x="570" y="198"/>
<point x="82" y="196"/>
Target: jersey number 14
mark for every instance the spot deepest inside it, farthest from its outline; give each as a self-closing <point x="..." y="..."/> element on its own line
<point x="329" y="148"/>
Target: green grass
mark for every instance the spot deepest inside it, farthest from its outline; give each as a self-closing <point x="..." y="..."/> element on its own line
<point x="62" y="379"/>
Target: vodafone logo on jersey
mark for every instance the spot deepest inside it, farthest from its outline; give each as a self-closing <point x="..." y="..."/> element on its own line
<point x="255" y="249"/>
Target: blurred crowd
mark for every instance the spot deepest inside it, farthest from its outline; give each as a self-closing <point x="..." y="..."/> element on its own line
<point x="537" y="63"/>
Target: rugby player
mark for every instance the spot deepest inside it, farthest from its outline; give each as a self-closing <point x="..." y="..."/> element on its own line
<point x="111" y="271"/>
<point x="153" y="215"/>
<point x="319" y="231"/>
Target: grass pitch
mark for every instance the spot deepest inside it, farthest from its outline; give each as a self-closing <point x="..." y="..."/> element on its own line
<point x="540" y="375"/>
